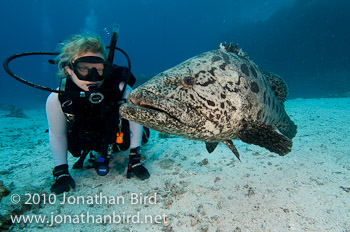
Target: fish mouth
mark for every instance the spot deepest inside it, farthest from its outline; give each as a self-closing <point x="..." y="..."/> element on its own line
<point x="159" y="113"/>
<point x="156" y="109"/>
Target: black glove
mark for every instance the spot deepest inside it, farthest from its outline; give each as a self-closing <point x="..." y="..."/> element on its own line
<point x="63" y="181"/>
<point x="135" y="167"/>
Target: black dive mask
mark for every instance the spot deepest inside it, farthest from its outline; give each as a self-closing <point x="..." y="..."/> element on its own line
<point x="91" y="68"/>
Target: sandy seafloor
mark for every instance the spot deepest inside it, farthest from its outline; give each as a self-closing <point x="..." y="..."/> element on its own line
<point x="307" y="190"/>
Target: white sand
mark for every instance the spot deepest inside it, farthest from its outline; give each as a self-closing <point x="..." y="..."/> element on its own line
<point x="303" y="191"/>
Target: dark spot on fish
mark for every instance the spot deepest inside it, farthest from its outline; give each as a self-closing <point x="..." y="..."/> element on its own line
<point x="215" y="58"/>
<point x="234" y="108"/>
<point x="239" y="81"/>
<point x="197" y="74"/>
<point x="211" y="71"/>
<point x="209" y="82"/>
<point x="222" y="105"/>
<point x="276" y="94"/>
<point x="223" y="96"/>
<point x="252" y="69"/>
<point x="268" y="101"/>
<point x="274" y="88"/>
<point x="211" y="103"/>
<point x="223" y="66"/>
<point x="265" y="97"/>
<point x="230" y="87"/>
<point x="259" y="114"/>
<point x="254" y="87"/>
<point x="211" y="117"/>
<point x="246" y="86"/>
<point x="191" y="96"/>
<point x="218" y="116"/>
<point x="245" y="69"/>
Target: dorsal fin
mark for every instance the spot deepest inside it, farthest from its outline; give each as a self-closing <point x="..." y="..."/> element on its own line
<point x="278" y="85"/>
<point x="233" y="48"/>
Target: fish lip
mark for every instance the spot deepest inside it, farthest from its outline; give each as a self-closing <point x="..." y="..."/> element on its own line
<point x="172" y="108"/>
<point x="148" y="106"/>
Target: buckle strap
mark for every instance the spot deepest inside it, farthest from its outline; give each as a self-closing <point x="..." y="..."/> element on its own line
<point x="60" y="176"/>
<point x="135" y="165"/>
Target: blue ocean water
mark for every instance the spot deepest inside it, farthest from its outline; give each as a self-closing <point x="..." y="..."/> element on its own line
<point x="306" y="42"/>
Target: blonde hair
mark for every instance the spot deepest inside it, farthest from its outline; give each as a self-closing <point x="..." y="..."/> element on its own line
<point x="76" y="46"/>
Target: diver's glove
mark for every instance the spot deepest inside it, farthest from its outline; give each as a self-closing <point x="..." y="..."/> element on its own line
<point x="63" y="180"/>
<point x="135" y="167"/>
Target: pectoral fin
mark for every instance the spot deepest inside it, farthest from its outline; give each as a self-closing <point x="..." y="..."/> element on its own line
<point x="265" y="136"/>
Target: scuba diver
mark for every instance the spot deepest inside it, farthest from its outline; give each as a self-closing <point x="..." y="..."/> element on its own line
<point x="83" y="113"/>
<point x="84" y="116"/>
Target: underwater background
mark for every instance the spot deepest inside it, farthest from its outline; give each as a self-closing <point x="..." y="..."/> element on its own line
<point x="306" y="42"/>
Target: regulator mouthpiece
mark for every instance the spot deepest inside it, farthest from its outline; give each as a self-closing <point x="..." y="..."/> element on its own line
<point x="95" y="96"/>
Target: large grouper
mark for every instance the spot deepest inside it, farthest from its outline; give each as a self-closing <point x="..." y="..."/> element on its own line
<point x="215" y="97"/>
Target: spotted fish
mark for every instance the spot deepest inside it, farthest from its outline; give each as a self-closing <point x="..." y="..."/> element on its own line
<point x="215" y="97"/>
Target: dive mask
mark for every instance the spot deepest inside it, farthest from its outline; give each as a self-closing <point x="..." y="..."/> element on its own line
<point x="91" y="68"/>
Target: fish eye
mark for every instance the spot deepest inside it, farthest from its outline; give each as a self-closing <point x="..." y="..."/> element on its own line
<point x="187" y="81"/>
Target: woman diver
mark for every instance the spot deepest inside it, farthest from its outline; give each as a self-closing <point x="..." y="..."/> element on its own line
<point x="85" y="116"/>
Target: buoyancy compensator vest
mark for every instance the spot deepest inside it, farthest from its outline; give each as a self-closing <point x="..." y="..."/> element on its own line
<point x="94" y="125"/>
